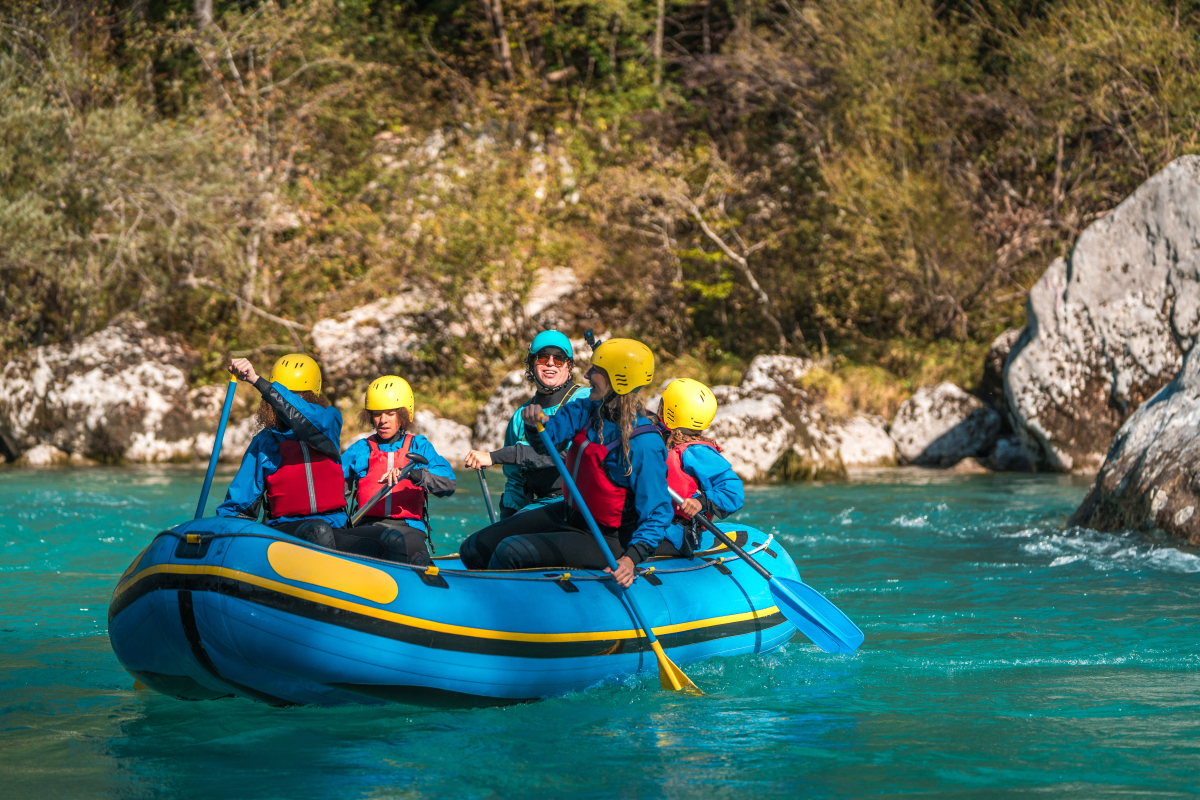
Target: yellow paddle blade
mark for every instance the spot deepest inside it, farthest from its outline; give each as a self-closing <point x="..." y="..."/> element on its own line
<point x="670" y="676"/>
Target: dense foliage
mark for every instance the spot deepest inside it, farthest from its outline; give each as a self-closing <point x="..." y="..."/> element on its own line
<point x="727" y="177"/>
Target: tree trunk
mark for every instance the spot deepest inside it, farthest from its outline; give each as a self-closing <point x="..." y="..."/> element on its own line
<point x="204" y="13"/>
<point x="707" y="36"/>
<point x="658" y="41"/>
<point x="502" y="35"/>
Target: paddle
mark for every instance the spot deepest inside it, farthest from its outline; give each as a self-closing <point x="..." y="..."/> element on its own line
<point x="670" y="677"/>
<point x="230" y="391"/>
<point x="805" y="607"/>
<point x="487" y="496"/>
<point x="414" y="461"/>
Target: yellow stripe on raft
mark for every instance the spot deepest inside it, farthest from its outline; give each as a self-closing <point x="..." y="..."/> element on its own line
<point x="430" y="625"/>
<point x="330" y="572"/>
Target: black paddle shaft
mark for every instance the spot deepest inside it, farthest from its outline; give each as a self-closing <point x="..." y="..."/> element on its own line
<point x="725" y="540"/>
<point x="414" y="461"/>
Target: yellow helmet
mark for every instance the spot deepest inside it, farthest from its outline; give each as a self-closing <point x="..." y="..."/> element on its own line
<point x="688" y="404"/>
<point x="297" y="372"/>
<point x="629" y="364"/>
<point x="388" y="392"/>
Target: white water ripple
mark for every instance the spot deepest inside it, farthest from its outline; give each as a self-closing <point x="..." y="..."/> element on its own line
<point x="1109" y="551"/>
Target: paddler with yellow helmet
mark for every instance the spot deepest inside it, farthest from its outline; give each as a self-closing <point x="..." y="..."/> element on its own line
<point x="397" y="526"/>
<point x="619" y="463"/>
<point x="291" y="472"/>
<point x="696" y="470"/>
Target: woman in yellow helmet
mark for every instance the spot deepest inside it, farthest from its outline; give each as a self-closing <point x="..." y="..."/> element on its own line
<point x="291" y="472"/>
<point x="696" y="470"/>
<point x="620" y="472"/>
<point x="397" y="526"/>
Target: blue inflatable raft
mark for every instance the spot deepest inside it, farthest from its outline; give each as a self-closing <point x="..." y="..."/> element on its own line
<point x="222" y="606"/>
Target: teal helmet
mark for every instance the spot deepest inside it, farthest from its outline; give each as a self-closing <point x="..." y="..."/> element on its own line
<point x="551" y="339"/>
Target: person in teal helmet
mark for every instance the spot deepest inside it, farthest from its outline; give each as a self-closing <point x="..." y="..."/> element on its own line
<point x="532" y="479"/>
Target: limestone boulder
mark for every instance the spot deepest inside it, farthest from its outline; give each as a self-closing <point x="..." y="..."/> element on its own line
<point x="774" y="373"/>
<point x="1008" y="454"/>
<point x="43" y="455"/>
<point x="406" y="333"/>
<point x="449" y="438"/>
<point x="753" y="434"/>
<point x="991" y="388"/>
<point x="1151" y="474"/>
<point x="864" y="442"/>
<point x="941" y="425"/>
<point x="121" y="394"/>
<point x="492" y="420"/>
<point x="376" y="339"/>
<point x="773" y="428"/>
<point x="1108" y="327"/>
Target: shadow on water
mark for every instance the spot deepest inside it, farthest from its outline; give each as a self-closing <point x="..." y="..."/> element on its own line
<point x="1004" y="655"/>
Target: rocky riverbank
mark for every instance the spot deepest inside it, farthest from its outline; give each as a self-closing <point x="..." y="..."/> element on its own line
<point x="1092" y="382"/>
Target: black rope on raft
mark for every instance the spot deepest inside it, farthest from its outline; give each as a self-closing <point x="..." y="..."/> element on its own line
<point x="498" y="575"/>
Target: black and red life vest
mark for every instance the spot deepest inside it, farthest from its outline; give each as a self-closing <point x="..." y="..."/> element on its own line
<point x="585" y="461"/>
<point x="678" y="479"/>
<point x="307" y="482"/>
<point x="406" y="500"/>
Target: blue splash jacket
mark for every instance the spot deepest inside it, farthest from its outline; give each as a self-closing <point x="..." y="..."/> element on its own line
<point x="437" y="478"/>
<point x="317" y="425"/>
<point x="720" y="492"/>
<point x="648" y="474"/>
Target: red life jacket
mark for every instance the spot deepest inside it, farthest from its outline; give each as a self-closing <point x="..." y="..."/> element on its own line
<point x="307" y="483"/>
<point x="585" y="462"/>
<point x="406" y="500"/>
<point x="678" y="479"/>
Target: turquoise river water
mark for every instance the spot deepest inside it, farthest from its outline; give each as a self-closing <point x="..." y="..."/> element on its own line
<point x="1004" y="656"/>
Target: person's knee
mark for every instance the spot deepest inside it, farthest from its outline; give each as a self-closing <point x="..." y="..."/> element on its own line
<point x="471" y="554"/>
<point x="317" y="531"/>
<point x="514" y="553"/>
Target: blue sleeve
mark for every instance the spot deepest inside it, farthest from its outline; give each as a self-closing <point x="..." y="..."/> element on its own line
<point x="717" y="480"/>
<point x="514" y="483"/>
<point x="247" y="486"/>
<point x="568" y="421"/>
<point x="437" y="466"/>
<point x="355" y="460"/>
<point x="648" y="479"/>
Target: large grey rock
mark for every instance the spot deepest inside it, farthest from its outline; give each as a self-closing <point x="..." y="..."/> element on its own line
<point x="449" y="438"/>
<point x="398" y="334"/>
<point x="492" y="420"/>
<point x="376" y="339"/>
<point x="119" y="394"/>
<point x="941" y="425"/>
<point x="753" y="434"/>
<point x="43" y="455"/>
<point x="991" y="387"/>
<point x="774" y="373"/>
<point x="1109" y="327"/>
<point x="864" y="442"/>
<point x="1151" y="475"/>
<point x="772" y="428"/>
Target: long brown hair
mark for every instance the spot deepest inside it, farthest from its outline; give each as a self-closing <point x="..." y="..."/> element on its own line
<point x="679" y="436"/>
<point x="267" y="417"/>
<point x="623" y="409"/>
